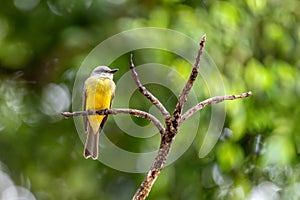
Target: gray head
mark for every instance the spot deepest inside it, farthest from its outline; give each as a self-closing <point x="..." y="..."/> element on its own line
<point x="104" y="71"/>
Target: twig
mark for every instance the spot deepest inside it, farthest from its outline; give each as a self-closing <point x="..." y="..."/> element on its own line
<point x="189" y="84"/>
<point x="148" y="94"/>
<point x="212" y="100"/>
<point x="135" y="112"/>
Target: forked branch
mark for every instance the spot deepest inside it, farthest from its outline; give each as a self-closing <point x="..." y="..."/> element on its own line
<point x="171" y="130"/>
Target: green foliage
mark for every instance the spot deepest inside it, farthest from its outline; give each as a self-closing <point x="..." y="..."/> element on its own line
<point x="255" y="45"/>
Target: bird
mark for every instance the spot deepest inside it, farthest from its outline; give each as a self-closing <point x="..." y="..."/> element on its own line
<point x="98" y="94"/>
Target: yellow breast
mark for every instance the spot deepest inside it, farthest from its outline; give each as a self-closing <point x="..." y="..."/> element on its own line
<point x="99" y="92"/>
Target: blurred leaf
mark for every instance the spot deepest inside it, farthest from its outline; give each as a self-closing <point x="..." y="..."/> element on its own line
<point x="230" y="156"/>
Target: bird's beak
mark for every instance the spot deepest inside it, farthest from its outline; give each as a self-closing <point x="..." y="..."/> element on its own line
<point x="113" y="70"/>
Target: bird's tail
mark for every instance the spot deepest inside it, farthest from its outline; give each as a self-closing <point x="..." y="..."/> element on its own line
<point x="91" y="145"/>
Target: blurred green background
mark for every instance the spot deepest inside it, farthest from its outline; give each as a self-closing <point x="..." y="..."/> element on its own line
<point x="255" y="45"/>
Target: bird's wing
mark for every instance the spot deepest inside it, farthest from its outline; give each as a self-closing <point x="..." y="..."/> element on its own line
<point x="105" y="118"/>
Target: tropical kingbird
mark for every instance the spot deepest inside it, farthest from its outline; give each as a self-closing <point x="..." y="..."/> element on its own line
<point x="99" y="90"/>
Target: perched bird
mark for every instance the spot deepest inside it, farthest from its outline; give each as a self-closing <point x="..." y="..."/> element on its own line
<point x="99" y="90"/>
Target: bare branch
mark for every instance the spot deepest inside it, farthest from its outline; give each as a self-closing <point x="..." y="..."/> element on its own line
<point x="146" y="93"/>
<point x="172" y="126"/>
<point x="210" y="101"/>
<point x="189" y="84"/>
<point x="135" y="112"/>
<point x="78" y="113"/>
